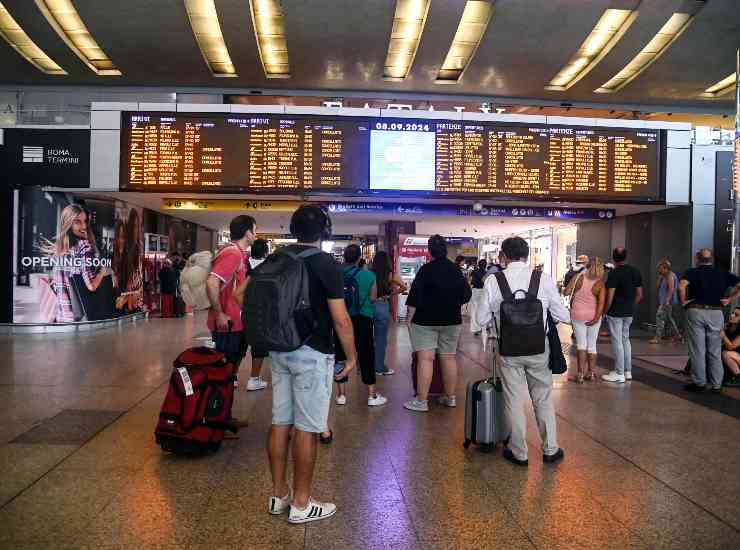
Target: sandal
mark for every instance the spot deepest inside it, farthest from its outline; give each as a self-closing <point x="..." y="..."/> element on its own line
<point x="590" y="376"/>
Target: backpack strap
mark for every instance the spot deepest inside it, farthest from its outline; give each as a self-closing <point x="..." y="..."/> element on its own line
<point x="308" y="253"/>
<point x="503" y="285"/>
<point x="534" y="284"/>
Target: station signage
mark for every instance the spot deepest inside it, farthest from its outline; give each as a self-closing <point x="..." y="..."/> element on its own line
<point x="385" y="208"/>
<point x="49" y="158"/>
<point x="229" y="205"/>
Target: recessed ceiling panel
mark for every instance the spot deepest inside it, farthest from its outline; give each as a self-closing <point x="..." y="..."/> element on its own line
<point x="337" y="46"/>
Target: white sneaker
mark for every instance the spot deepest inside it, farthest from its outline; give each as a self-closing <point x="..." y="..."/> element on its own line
<point x="376" y="401"/>
<point x="417" y="405"/>
<point x="613" y="377"/>
<point x="279" y="505"/>
<point x="255" y="384"/>
<point x="314" y="511"/>
<point x="341" y="399"/>
<point x="236" y="382"/>
<point x="448" y="401"/>
<point x="627" y="375"/>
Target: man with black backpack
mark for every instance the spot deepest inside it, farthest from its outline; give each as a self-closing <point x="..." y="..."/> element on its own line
<point x="520" y="300"/>
<point x="292" y="304"/>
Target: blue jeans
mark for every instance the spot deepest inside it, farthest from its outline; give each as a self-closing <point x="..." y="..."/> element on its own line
<point x="619" y="327"/>
<point x="382" y="318"/>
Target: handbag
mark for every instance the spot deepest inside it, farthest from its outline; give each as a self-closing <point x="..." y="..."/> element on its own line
<point x="557" y="362"/>
<point x="76" y="299"/>
<point x="48" y="301"/>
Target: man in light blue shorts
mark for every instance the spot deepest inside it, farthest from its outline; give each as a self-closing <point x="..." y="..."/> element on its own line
<point x="302" y="379"/>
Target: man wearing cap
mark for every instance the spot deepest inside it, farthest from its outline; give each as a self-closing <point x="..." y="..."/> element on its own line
<point x="581" y="262"/>
<point x="701" y="291"/>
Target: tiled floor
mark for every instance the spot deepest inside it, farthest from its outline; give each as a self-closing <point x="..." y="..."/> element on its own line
<point x="645" y="468"/>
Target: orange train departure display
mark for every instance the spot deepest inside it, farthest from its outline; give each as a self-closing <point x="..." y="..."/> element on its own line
<point x="279" y="153"/>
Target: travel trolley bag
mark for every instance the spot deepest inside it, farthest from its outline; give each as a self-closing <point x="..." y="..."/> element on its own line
<point x="197" y="408"/>
<point x="484" y="412"/>
<point x="437" y="386"/>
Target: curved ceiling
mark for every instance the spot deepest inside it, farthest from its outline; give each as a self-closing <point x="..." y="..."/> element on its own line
<point x="336" y="46"/>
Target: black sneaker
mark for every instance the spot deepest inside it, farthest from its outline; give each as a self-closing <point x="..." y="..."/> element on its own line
<point x="553" y="458"/>
<point x="508" y="455"/>
<point x="693" y="388"/>
<point x="716" y="391"/>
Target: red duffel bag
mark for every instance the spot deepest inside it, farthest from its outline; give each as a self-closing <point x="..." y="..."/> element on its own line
<point x="197" y="408"/>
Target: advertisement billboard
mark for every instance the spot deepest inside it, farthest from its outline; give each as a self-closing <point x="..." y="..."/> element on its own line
<point x="79" y="259"/>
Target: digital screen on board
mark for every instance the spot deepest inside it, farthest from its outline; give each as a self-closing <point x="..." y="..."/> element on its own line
<point x="276" y="153"/>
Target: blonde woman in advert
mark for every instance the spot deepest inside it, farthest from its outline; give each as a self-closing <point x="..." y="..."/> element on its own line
<point x="588" y="298"/>
<point x="73" y="252"/>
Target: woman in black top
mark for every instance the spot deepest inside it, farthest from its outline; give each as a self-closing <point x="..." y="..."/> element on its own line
<point x="388" y="285"/>
<point x="476" y="281"/>
<point x="730" y="345"/>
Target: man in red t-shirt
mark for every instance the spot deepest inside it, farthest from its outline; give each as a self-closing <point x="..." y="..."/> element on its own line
<point x="229" y="269"/>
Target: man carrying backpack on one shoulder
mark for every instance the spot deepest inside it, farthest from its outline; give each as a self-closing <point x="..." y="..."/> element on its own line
<point x="229" y="269"/>
<point x="293" y="304"/>
<point x="521" y="326"/>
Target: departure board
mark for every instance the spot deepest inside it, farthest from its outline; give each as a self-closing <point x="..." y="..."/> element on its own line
<point x="259" y="153"/>
<point x="382" y="156"/>
<point x="475" y="158"/>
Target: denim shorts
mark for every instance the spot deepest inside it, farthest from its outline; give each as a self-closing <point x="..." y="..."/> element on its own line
<point x="444" y="339"/>
<point x="301" y="388"/>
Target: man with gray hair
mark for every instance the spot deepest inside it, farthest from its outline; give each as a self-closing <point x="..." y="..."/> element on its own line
<point x="701" y="291"/>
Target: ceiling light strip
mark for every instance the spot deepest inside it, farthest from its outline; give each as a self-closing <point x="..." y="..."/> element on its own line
<point x="609" y="29"/>
<point x="470" y="31"/>
<point x="676" y="24"/>
<point x="14" y="35"/>
<point x="408" y="24"/>
<point x="724" y="86"/>
<point x="272" y="43"/>
<point x="207" y="31"/>
<point x="64" y="19"/>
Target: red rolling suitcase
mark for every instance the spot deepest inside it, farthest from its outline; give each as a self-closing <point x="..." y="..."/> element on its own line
<point x="197" y="408"/>
<point x="437" y="387"/>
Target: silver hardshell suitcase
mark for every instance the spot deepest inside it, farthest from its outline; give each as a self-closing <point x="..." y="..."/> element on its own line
<point x="484" y="412"/>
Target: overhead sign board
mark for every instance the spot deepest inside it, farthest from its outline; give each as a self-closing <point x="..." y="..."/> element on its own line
<point x="49" y="158"/>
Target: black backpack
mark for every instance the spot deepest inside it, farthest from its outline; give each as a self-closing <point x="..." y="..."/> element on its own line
<point x="277" y="310"/>
<point x="522" y="330"/>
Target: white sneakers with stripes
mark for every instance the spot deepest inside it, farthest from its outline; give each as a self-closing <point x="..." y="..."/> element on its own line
<point x="314" y="511"/>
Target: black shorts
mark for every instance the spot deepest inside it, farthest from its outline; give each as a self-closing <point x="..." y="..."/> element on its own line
<point x="232" y="344"/>
<point x="259" y="353"/>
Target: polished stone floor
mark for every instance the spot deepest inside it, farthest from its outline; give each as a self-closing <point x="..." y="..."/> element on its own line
<point x="645" y="467"/>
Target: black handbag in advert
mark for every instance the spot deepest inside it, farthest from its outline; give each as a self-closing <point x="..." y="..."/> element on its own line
<point x="75" y="298"/>
<point x="557" y="365"/>
<point x="96" y="305"/>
